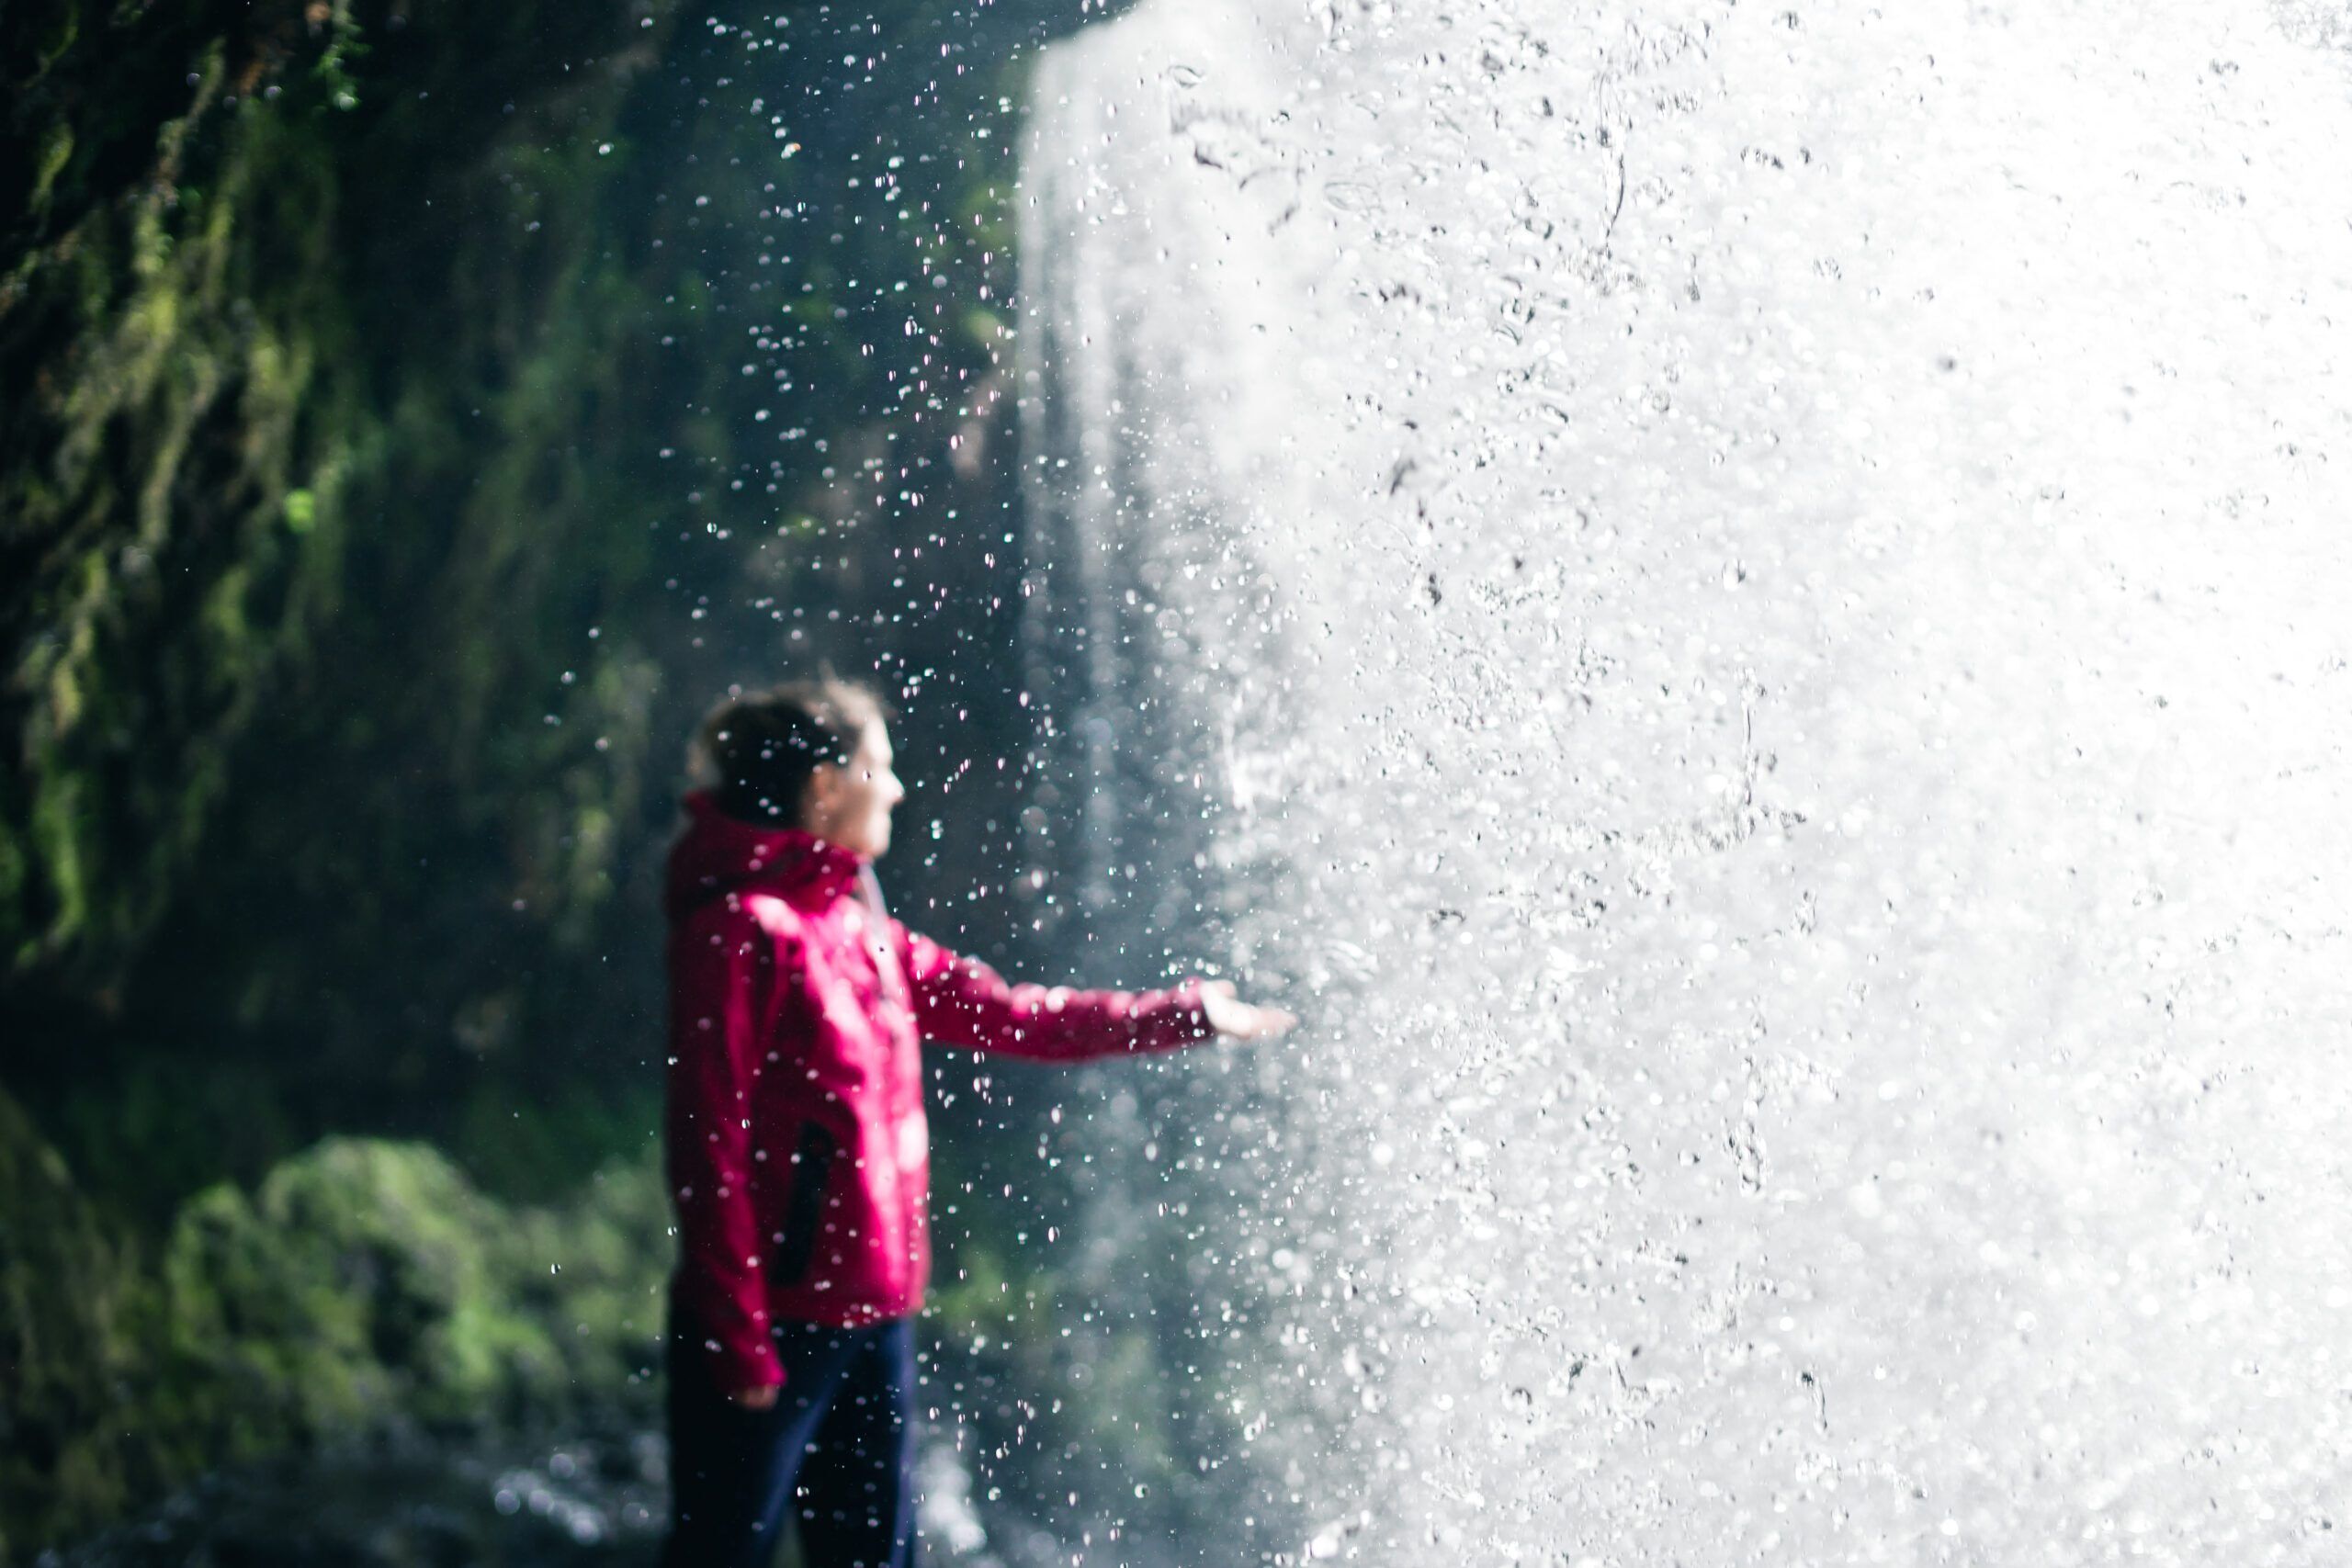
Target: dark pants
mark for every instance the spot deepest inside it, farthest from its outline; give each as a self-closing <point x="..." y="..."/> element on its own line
<point x="835" y="1453"/>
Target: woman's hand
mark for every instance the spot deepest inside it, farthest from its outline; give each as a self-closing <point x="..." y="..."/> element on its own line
<point x="1234" y="1018"/>
<point x="760" y="1398"/>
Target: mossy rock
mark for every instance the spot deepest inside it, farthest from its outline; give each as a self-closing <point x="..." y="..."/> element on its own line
<point x="65" y="1359"/>
<point x="364" y="1282"/>
<point x="592" y="1274"/>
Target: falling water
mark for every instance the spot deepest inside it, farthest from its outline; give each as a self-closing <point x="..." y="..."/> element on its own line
<point x="1743" y="605"/>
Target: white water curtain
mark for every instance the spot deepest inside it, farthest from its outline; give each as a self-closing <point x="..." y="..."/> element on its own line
<point x="1746" y="605"/>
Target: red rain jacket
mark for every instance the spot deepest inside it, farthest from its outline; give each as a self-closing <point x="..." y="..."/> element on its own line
<point x="797" y="1153"/>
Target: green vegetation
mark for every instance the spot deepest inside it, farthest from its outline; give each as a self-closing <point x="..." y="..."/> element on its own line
<point x="414" y="413"/>
<point x="365" y="1283"/>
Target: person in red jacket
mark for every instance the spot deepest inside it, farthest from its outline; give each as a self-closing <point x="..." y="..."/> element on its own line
<point x="795" y="1142"/>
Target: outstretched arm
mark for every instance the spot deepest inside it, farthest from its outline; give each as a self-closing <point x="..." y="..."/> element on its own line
<point x="962" y="1002"/>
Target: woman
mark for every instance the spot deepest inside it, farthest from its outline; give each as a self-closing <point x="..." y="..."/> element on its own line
<point x="797" y="1148"/>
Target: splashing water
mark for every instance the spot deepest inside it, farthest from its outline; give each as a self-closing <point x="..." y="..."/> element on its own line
<point x="1744" y="601"/>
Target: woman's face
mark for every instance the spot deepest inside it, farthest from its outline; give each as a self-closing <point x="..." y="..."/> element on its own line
<point x="850" y="805"/>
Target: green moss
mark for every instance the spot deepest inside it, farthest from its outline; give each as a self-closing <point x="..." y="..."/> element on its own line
<point x="57" y="837"/>
<point x="364" y="1283"/>
<point x="385" y="494"/>
<point x="57" y="151"/>
<point x="472" y="310"/>
<point x="356" y="1283"/>
<point x="66" y="1358"/>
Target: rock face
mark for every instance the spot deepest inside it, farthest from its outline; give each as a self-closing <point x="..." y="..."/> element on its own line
<point x="414" y="413"/>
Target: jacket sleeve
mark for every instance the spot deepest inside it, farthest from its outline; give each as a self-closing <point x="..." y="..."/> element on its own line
<point x="962" y="1002"/>
<point x="721" y="980"/>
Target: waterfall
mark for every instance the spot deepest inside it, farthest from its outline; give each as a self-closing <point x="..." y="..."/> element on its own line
<point x="1742" y="605"/>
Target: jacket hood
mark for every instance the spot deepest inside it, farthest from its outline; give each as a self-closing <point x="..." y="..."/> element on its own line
<point x="718" y="854"/>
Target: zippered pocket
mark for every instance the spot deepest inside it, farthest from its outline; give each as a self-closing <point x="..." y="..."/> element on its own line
<point x="811" y="1166"/>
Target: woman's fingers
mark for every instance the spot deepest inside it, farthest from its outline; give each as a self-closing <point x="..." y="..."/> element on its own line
<point x="1238" y="1019"/>
<point x="1272" y="1022"/>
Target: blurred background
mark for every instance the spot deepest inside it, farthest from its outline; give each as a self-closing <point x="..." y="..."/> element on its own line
<point x="415" y="416"/>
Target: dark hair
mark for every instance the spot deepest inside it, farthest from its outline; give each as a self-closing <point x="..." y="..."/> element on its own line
<point x="761" y="747"/>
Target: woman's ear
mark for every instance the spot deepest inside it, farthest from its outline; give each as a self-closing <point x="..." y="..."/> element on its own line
<point x="817" y="795"/>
